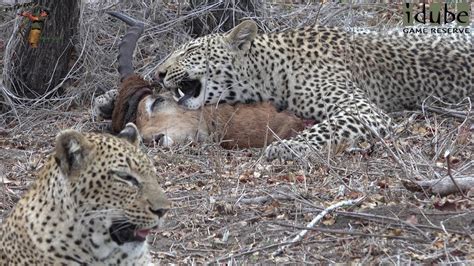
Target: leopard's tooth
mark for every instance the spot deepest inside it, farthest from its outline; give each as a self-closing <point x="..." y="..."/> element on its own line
<point x="181" y="93"/>
<point x="175" y="98"/>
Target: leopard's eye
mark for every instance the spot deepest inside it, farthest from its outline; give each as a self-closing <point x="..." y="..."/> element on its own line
<point x="130" y="179"/>
<point x="125" y="178"/>
<point x="191" y="48"/>
<point x="187" y="50"/>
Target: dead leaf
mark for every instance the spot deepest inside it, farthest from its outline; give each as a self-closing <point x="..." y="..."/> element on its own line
<point x="412" y="219"/>
<point x="368" y="205"/>
<point x="281" y="216"/>
<point x="383" y="184"/>
<point x="438" y="244"/>
<point x="396" y="232"/>
<point x="224" y="209"/>
<point x="419" y="130"/>
<point x="300" y="178"/>
<point x="444" y="204"/>
<point x="454" y="160"/>
<point x="464" y="135"/>
<point x="354" y="195"/>
<point x="418" y="256"/>
<point x="329" y="220"/>
<point x="245" y="178"/>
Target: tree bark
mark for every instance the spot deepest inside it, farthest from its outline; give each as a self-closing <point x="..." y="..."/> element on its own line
<point x="442" y="187"/>
<point x="33" y="72"/>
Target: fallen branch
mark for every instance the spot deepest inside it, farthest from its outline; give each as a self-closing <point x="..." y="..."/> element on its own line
<point x="464" y="115"/>
<point x="355" y="233"/>
<point x="387" y="220"/>
<point x="445" y="111"/>
<point x="316" y="219"/>
<point x="442" y="186"/>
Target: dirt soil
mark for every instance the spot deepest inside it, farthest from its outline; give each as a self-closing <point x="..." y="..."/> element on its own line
<point x="234" y="207"/>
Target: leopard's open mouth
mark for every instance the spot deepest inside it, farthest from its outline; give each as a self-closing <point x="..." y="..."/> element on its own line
<point x="126" y="232"/>
<point x="187" y="89"/>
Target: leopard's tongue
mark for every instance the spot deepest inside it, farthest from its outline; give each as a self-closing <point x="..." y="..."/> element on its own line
<point x="142" y="233"/>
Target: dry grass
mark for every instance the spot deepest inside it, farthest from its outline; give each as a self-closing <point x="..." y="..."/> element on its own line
<point x="232" y="206"/>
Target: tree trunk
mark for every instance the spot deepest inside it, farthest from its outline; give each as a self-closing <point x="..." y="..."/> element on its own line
<point x="34" y="72"/>
<point x="226" y="15"/>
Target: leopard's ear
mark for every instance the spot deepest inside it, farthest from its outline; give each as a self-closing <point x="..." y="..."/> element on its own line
<point x="242" y="35"/>
<point x="131" y="134"/>
<point x="72" y="151"/>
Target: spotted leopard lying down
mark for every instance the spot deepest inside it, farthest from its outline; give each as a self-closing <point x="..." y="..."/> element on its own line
<point x="94" y="202"/>
<point x="347" y="80"/>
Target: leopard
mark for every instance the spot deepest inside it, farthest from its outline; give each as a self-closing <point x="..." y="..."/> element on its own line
<point x="94" y="202"/>
<point x="347" y="80"/>
<point x="162" y="121"/>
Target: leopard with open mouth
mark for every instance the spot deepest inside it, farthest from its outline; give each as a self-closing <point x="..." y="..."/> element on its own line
<point x="347" y="80"/>
<point x="94" y="202"/>
<point x="187" y="89"/>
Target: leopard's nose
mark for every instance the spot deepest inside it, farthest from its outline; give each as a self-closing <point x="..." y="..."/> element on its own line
<point x="160" y="77"/>
<point x="159" y="212"/>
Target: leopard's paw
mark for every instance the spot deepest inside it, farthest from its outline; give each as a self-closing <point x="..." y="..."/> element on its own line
<point x="104" y="105"/>
<point x="286" y="150"/>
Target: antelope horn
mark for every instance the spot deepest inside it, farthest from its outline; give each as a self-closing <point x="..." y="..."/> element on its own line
<point x="128" y="43"/>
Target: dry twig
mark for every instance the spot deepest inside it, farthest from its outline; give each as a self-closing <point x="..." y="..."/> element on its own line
<point x="447" y="155"/>
<point x="316" y="219"/>
<point x="442" y="186"/>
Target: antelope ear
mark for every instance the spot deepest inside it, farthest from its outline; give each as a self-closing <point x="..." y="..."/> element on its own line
<point x="72" y="151"/>
<point x="242" y="35"/>
<point x="131" y="134"/>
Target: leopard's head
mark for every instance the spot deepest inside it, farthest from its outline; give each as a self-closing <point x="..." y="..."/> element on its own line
<point x="203" y="71"/>
<point x="111" y="180"/>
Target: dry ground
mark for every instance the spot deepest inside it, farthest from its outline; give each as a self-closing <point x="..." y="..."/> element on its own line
<point x="232" y="206"/>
